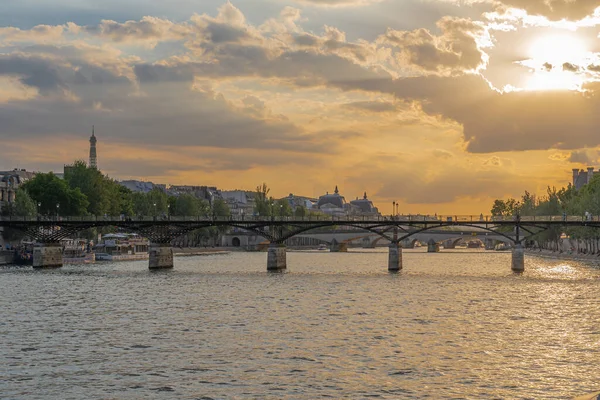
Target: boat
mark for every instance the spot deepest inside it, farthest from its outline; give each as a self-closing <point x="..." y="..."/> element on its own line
<point x="77" y="251"/>
<point x="323" y="247"/>
<point x="122" y="247"/>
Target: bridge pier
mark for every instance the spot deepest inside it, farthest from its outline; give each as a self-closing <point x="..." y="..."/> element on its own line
<point x="161" y="256"/>
<point x="433" y="247"/>
<point x="395" y="257"/>
<point x="518" y="258"/>
<point x="47" y="255"/>
<point x="337" y="247"/>
<point x="276" y="257"/>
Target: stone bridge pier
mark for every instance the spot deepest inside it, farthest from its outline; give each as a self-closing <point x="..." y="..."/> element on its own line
<point x="276" y="257"/>
<point x="47" y="255"/>
<point x="433" y="247"/>
<point x="395" y="257"/>
<point x="518" y="258"/>
<point x="160" y="256"/>
<point x="337" y="247"/>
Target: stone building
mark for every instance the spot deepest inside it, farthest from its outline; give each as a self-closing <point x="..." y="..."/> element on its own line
<point x="333" y="204"/>
<point x="581" y="177"/>
<point x="363" y="206"/>
<point x="240" y="202"/>
<point x="10" y="182"/>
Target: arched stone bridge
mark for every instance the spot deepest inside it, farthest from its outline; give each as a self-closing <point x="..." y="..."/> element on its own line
<point x="436" y="236"/>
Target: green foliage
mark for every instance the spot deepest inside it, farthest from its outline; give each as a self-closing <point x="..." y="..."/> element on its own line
<point x="566" y="201"/>
<point x="55" y="197"/>
<point x="282" y="208"/>
<point x="262" y="201"/>
<point x="300" y="212"/>
<point x="188" y="205"/>
<point x="105" y="195"/>
<point x="220" y="208"/>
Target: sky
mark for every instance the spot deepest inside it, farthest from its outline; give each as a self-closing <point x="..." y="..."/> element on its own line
<point x="439" y="105"/>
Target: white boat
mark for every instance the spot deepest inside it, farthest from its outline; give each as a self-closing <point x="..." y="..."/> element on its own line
<point x="77" y="251"/>
<point x="122" y="247"/>
<point x="323" y="247"/>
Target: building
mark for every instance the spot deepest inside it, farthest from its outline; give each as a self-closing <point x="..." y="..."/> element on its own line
<point x="300" y="201"/>
<point x="141" y="186"/>
<point x="363" y="206"/>
<point x="208" y="193"/>
<point x="581" y="177"/>
<point x="240" y="202"/>
<point x="10" y="182"/>
<point x="333" y="204"/>
<point x="93" y="156"/>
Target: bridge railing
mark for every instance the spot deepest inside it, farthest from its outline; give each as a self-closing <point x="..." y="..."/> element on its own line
<point x="442" y="219"/>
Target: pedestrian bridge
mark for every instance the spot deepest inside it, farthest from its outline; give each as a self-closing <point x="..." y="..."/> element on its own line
<point x="161" y="231"/>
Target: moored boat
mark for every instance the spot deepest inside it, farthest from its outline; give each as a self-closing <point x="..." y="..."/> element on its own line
<point x="122" y="247"/>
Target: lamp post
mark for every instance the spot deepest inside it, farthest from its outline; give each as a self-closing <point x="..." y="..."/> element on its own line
<point x="168" y="211"/>
<point x="57" y="209"/>
<point x="394" y="207"/>
<point x="39" y="204"/>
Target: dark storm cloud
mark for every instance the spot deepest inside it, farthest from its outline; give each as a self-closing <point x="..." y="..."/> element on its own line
<point x="586" y="157"/>
<point x="34" y="72"/>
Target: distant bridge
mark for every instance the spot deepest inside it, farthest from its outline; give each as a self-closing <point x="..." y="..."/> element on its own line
<point x="161" y="231"/>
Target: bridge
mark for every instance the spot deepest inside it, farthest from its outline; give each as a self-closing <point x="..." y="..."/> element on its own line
<point x="395" y="229"/>
<point x="432" y="236"/>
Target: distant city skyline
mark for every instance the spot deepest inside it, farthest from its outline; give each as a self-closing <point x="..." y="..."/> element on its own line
<point x="440" y="106"/>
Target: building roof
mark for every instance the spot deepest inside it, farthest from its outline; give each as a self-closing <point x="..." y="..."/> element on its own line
<point x="365" y="205"/>
<point x="334" y="199"/>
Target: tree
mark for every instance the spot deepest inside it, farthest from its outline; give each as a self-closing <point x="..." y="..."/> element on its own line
<point x="188" y="205"/>
<point x="55" y="197"/>
<point x="300" y="212"/>
<point x="105" y="195"/>
<point x="282" y="208"/>
<point x="24" y="205"/>
<point x="262" y="201"/>
<point x="220" y="208"/>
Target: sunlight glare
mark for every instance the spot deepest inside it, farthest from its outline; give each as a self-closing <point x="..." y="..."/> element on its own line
<point x="547" y="56"/>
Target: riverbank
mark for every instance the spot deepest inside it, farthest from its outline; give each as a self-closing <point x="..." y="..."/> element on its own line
<point x="590" y="258"/>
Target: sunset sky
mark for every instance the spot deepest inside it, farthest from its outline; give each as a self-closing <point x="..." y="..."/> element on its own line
<point x="440" y="105"/>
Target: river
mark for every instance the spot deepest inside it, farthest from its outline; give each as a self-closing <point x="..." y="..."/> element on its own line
<point x="451" y="325"/>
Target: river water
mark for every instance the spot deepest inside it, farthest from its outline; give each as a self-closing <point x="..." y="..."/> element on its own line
<point x="452" y="325"/>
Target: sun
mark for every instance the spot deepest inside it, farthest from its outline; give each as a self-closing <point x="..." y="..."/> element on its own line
<point x="555" y="61"/>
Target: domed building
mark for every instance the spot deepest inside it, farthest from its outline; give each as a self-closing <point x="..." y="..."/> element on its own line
<point x="364" y="206"/>
<point x="333" y="204"/>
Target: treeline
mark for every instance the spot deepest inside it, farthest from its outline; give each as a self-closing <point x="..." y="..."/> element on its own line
<point x="564" y="202"/>
<point x="86" y="191"/>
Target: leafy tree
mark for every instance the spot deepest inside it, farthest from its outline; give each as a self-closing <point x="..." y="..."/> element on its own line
<point x="105" y="195"/>
<point x="282" y="208"/>
<point x="220" y="208"/>
<point x="300" y="212"/>
<point x="262" y="201"/>
<point x="189" y="205"/>
<point x="55" y="197"/>
<point x="125" y="201"/>
<point x="24" y="204"/>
